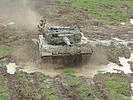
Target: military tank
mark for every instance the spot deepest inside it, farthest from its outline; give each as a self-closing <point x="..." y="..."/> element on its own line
<point x="63" y="46"/>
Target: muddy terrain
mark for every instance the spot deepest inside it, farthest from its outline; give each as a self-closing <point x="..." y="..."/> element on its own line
<point x="34" y="81"/>
<point x="37" y="86"/>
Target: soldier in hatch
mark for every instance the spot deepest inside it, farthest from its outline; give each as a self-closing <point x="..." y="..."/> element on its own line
<point x="41" y="25"/>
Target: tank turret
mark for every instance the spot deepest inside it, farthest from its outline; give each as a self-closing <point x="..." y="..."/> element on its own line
<point x="61" y="35"/>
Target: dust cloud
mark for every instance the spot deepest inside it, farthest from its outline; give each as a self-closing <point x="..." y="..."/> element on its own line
<point x="98" y="62"/>
<point x="20" y="12"/>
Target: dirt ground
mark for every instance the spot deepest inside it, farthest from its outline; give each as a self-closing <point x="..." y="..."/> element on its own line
<point x="24" y="52"/>
<point x="37" y="86"/>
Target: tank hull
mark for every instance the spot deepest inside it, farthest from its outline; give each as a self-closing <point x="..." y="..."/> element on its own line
<point x="66" y="60"/>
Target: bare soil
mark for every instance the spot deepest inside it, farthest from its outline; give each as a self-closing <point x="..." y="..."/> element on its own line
<point x="37" y="86"/>
<point x="24" y="86"/>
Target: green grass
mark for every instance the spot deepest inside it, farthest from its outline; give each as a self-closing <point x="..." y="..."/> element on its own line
<point x="73" y="80"/>
<point x="53" y="97"/>
<point x="1" y="79"/>
<point x="68" y="71"/>
<point x="80" y="89"/>
<point x="4" y="96"/>
<point x="117" y="86"/>
<point x="41" y="76"/>
<point x="119" y="97"/>
<point x="3" y="90"/>
<point x="107" y="11"/>
<point x="26" y="83"/>
<point x="48" y="91"/>
<point x="84" y="91"/>
<point x="44" y="85"/>
<point x="83" y="88"/>
<point x="23" y="78"/>
<point x="42" y="90"/>
<point x="29" y="90"/>
<point x="113" y="51"/>
<point x="4" y="50"/>
<point x="2" y="84"/>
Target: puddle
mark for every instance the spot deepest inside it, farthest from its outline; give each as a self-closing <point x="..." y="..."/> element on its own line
<point x="8" y="24"/>
<point x="31" y="68"/>
<point x="99" y="42"/>
<point x="126" y="65"/>
<point x="124" y="68"/>
<point x="11" y="68"/>
<point x="117" y="39"/>
<point x="91" y="70"/>
<point x="122" y="23"/>
<point x="131" y="21"/>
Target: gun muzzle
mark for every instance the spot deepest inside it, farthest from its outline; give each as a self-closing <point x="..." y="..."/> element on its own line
<point x="66" y="40"/>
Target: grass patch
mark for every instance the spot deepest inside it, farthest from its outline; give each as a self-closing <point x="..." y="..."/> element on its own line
<point x="29" y="90"/>
<point x="119" y="97"/>
<point x="47" y="91"/>
<point x="1" y="79"/>
<point x="113" y="51"/>
<point x="68" y="71"/>
<point x="83" y="88"/>
<point x="2" y="88"/>
<point x="53" y="97"/>
<point x="4" y="50"/>
<point x="44" y="85"/>
<point x="4" y="96"/>
<point x="2" y="85"/>
<point x="41" y="76"/>
<point x="73" y="80"/>
<point x="85" y="92"/>
<point x="108" y="11"/>
<point x="118" y="86"/>
<point x="26" y="83"/>
<point x="23" y="78"/>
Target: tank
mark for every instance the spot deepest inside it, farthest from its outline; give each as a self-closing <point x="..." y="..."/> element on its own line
<point x="63" y="46"/>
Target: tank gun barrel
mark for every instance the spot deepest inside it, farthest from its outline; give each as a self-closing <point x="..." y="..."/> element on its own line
<point x="65" y="35"/>
<point x="66" y="40"/>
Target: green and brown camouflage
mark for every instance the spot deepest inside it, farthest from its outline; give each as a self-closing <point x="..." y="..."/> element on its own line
<point x="63" y="46"/>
